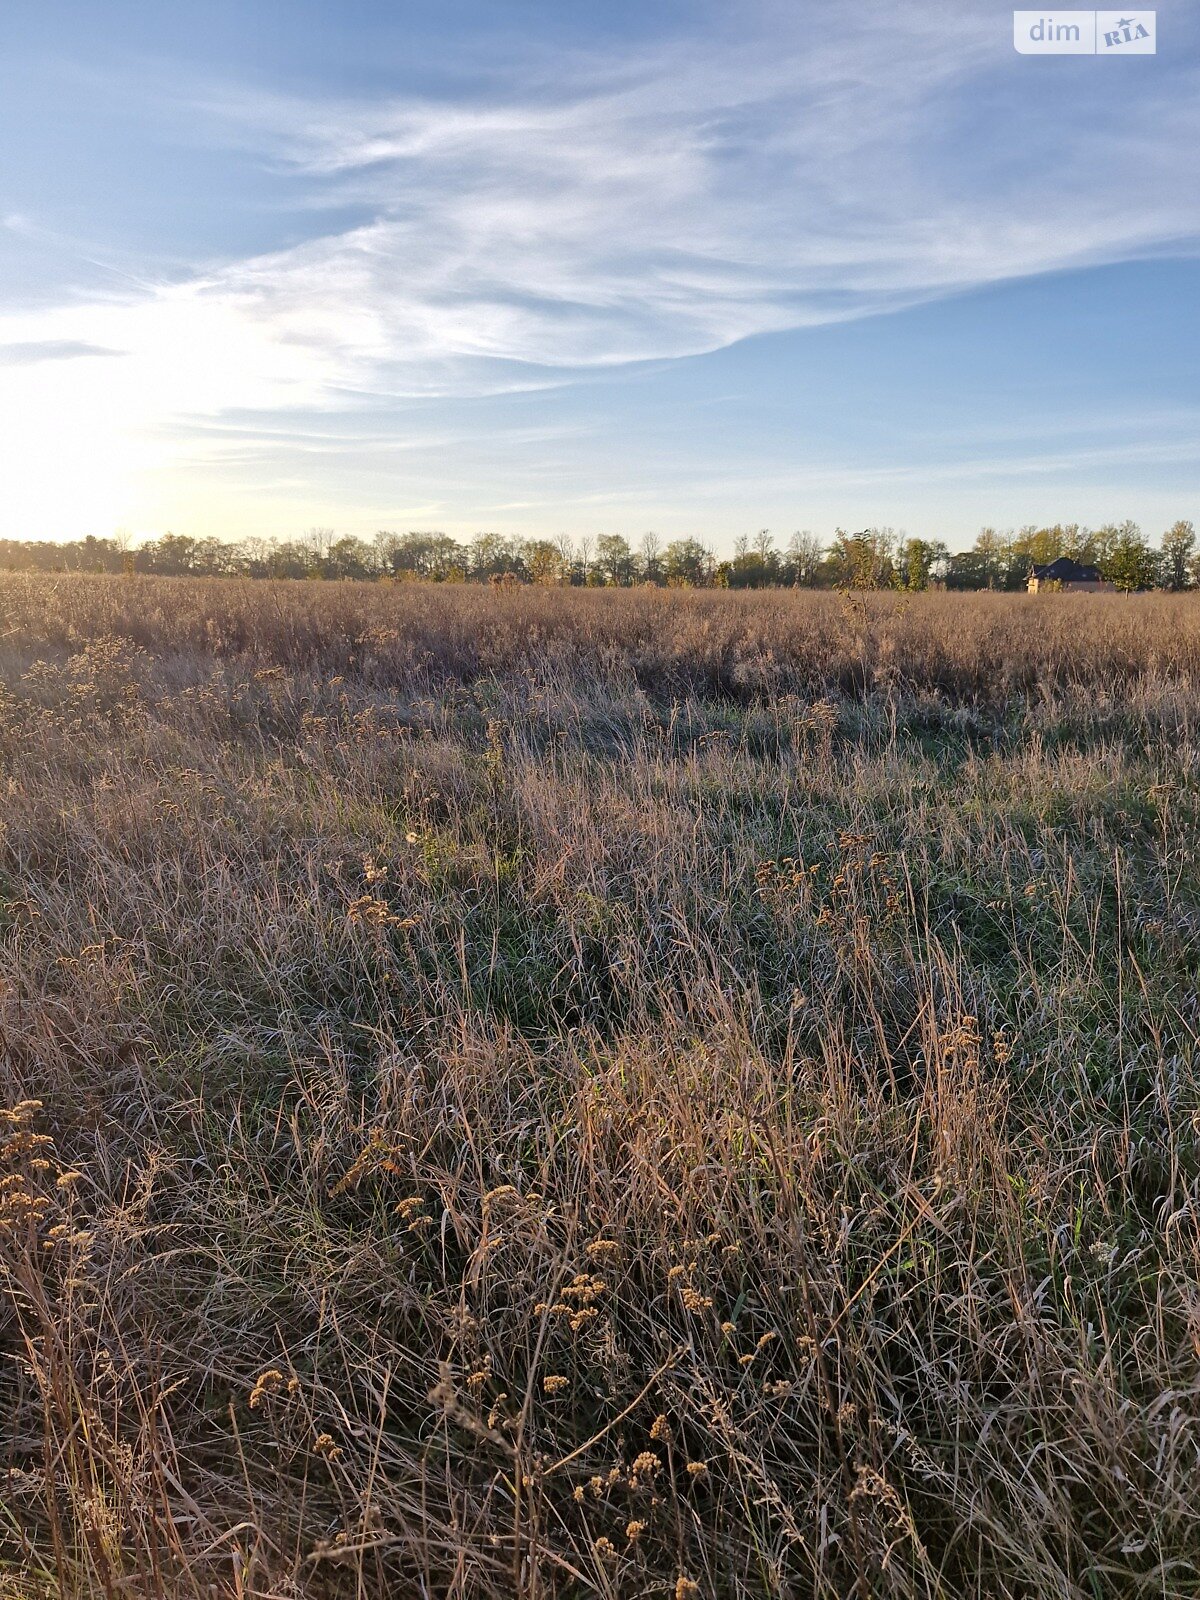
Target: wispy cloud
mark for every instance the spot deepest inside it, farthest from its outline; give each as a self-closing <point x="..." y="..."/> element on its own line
<point x="35" y="350"/>
<point x="564" y="220"/>
<point x="681" y="203"/>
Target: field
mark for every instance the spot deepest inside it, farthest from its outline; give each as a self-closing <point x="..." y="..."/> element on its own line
<point x="573" y="1093"/>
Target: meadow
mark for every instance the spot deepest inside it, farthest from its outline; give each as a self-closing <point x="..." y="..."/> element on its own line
<point x="569" y="1093"/>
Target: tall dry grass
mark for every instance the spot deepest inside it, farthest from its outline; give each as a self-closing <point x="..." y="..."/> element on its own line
<point x="558" y="1094"/>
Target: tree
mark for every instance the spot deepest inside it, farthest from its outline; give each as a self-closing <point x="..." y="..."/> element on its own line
<point x="316" y="542"/>
<point x="491" y="555"/>
<point x="436" y="556"/>
<point x="970" y="569"/>
<point x="585" y="565"/>
<point x="544" y="561"/>
<point x="349" y="558"/>
<point x="650" y="556"/>
<point x="291" y="559"/>
<point x="614" y="558"/>
<point x="1178" y="543"/>
<point x="803" y="559"/>
<point x="572" y="570"/>
<point x="91" y="554"/>
<point x="1079" y="543"/>
<point x="1033" y="547"/>
<point x="1129" y="562"/>
<point x="687" y="562"/>
<point x="755" y="564"/>
<point x="919" y="560"/>
<point x="258" y="557"/>
<point x="172" y="555"/>
<point x="1102" y="542"/>
<point x="213" y="558"/>
<point x="863" y="560"/>
<point x="992" y="553"/>
<point x="443" y="557"/>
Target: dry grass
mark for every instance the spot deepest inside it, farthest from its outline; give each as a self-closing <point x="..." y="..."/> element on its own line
<point x="568" y="1094"/>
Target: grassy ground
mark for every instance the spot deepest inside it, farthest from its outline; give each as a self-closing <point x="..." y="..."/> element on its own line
<point x="574" y="1094"/>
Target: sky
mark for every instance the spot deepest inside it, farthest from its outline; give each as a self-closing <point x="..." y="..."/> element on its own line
<point x="541" y="268"/>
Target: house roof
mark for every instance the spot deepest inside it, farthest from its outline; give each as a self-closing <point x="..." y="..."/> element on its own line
<point x="1064" y="570"/>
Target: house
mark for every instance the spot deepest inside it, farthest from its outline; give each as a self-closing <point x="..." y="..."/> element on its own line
<point x="1068" y="575"/>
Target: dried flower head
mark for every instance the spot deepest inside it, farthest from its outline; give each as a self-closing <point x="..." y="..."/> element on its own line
<point x="265" y="1385"/>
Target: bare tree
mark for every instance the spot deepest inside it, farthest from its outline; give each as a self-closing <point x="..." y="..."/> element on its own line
<point x="317" y="543"/>
<point x="585" y="546"/>
<point x="804" y="556"/>
<point x="650" y="551"/>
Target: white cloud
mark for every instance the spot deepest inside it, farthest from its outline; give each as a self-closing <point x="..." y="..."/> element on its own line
<point x="619" y="211"/>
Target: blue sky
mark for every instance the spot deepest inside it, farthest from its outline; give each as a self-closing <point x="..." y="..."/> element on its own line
<point x="538" y="268"/>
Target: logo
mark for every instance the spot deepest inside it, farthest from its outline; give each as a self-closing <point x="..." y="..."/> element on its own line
<point x="1125" y="33"/>
<point x="1084" y="33"/>
<point x="1066" y="33"/>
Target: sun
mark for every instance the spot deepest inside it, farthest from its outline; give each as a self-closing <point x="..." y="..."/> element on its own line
<point x="72" y="459"/>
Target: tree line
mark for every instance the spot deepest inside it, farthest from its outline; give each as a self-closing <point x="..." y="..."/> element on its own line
<point x="875" y="558"/>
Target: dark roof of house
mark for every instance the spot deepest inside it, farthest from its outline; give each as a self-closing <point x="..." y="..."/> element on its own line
<point x="1064" y="570"/>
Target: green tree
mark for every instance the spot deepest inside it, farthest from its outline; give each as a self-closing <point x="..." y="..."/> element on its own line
<point x="755" y="564"/>
<point x="687" y="561"/>
<point x="920" y="560"/>
<point x="1129" y="561"/>
<point x="614" y="558"/>
<point x="172" y="555"/>
<point x="1032" y="547"/>
<point x="435" y="556"/>
<point x="349" y="558"/>
<point x="970" y="569"/>
<point x="1178" y="545"/>
<point x="491" y="555"/>
<point x="993" y="554"/>
<point x="863" y="560"/>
